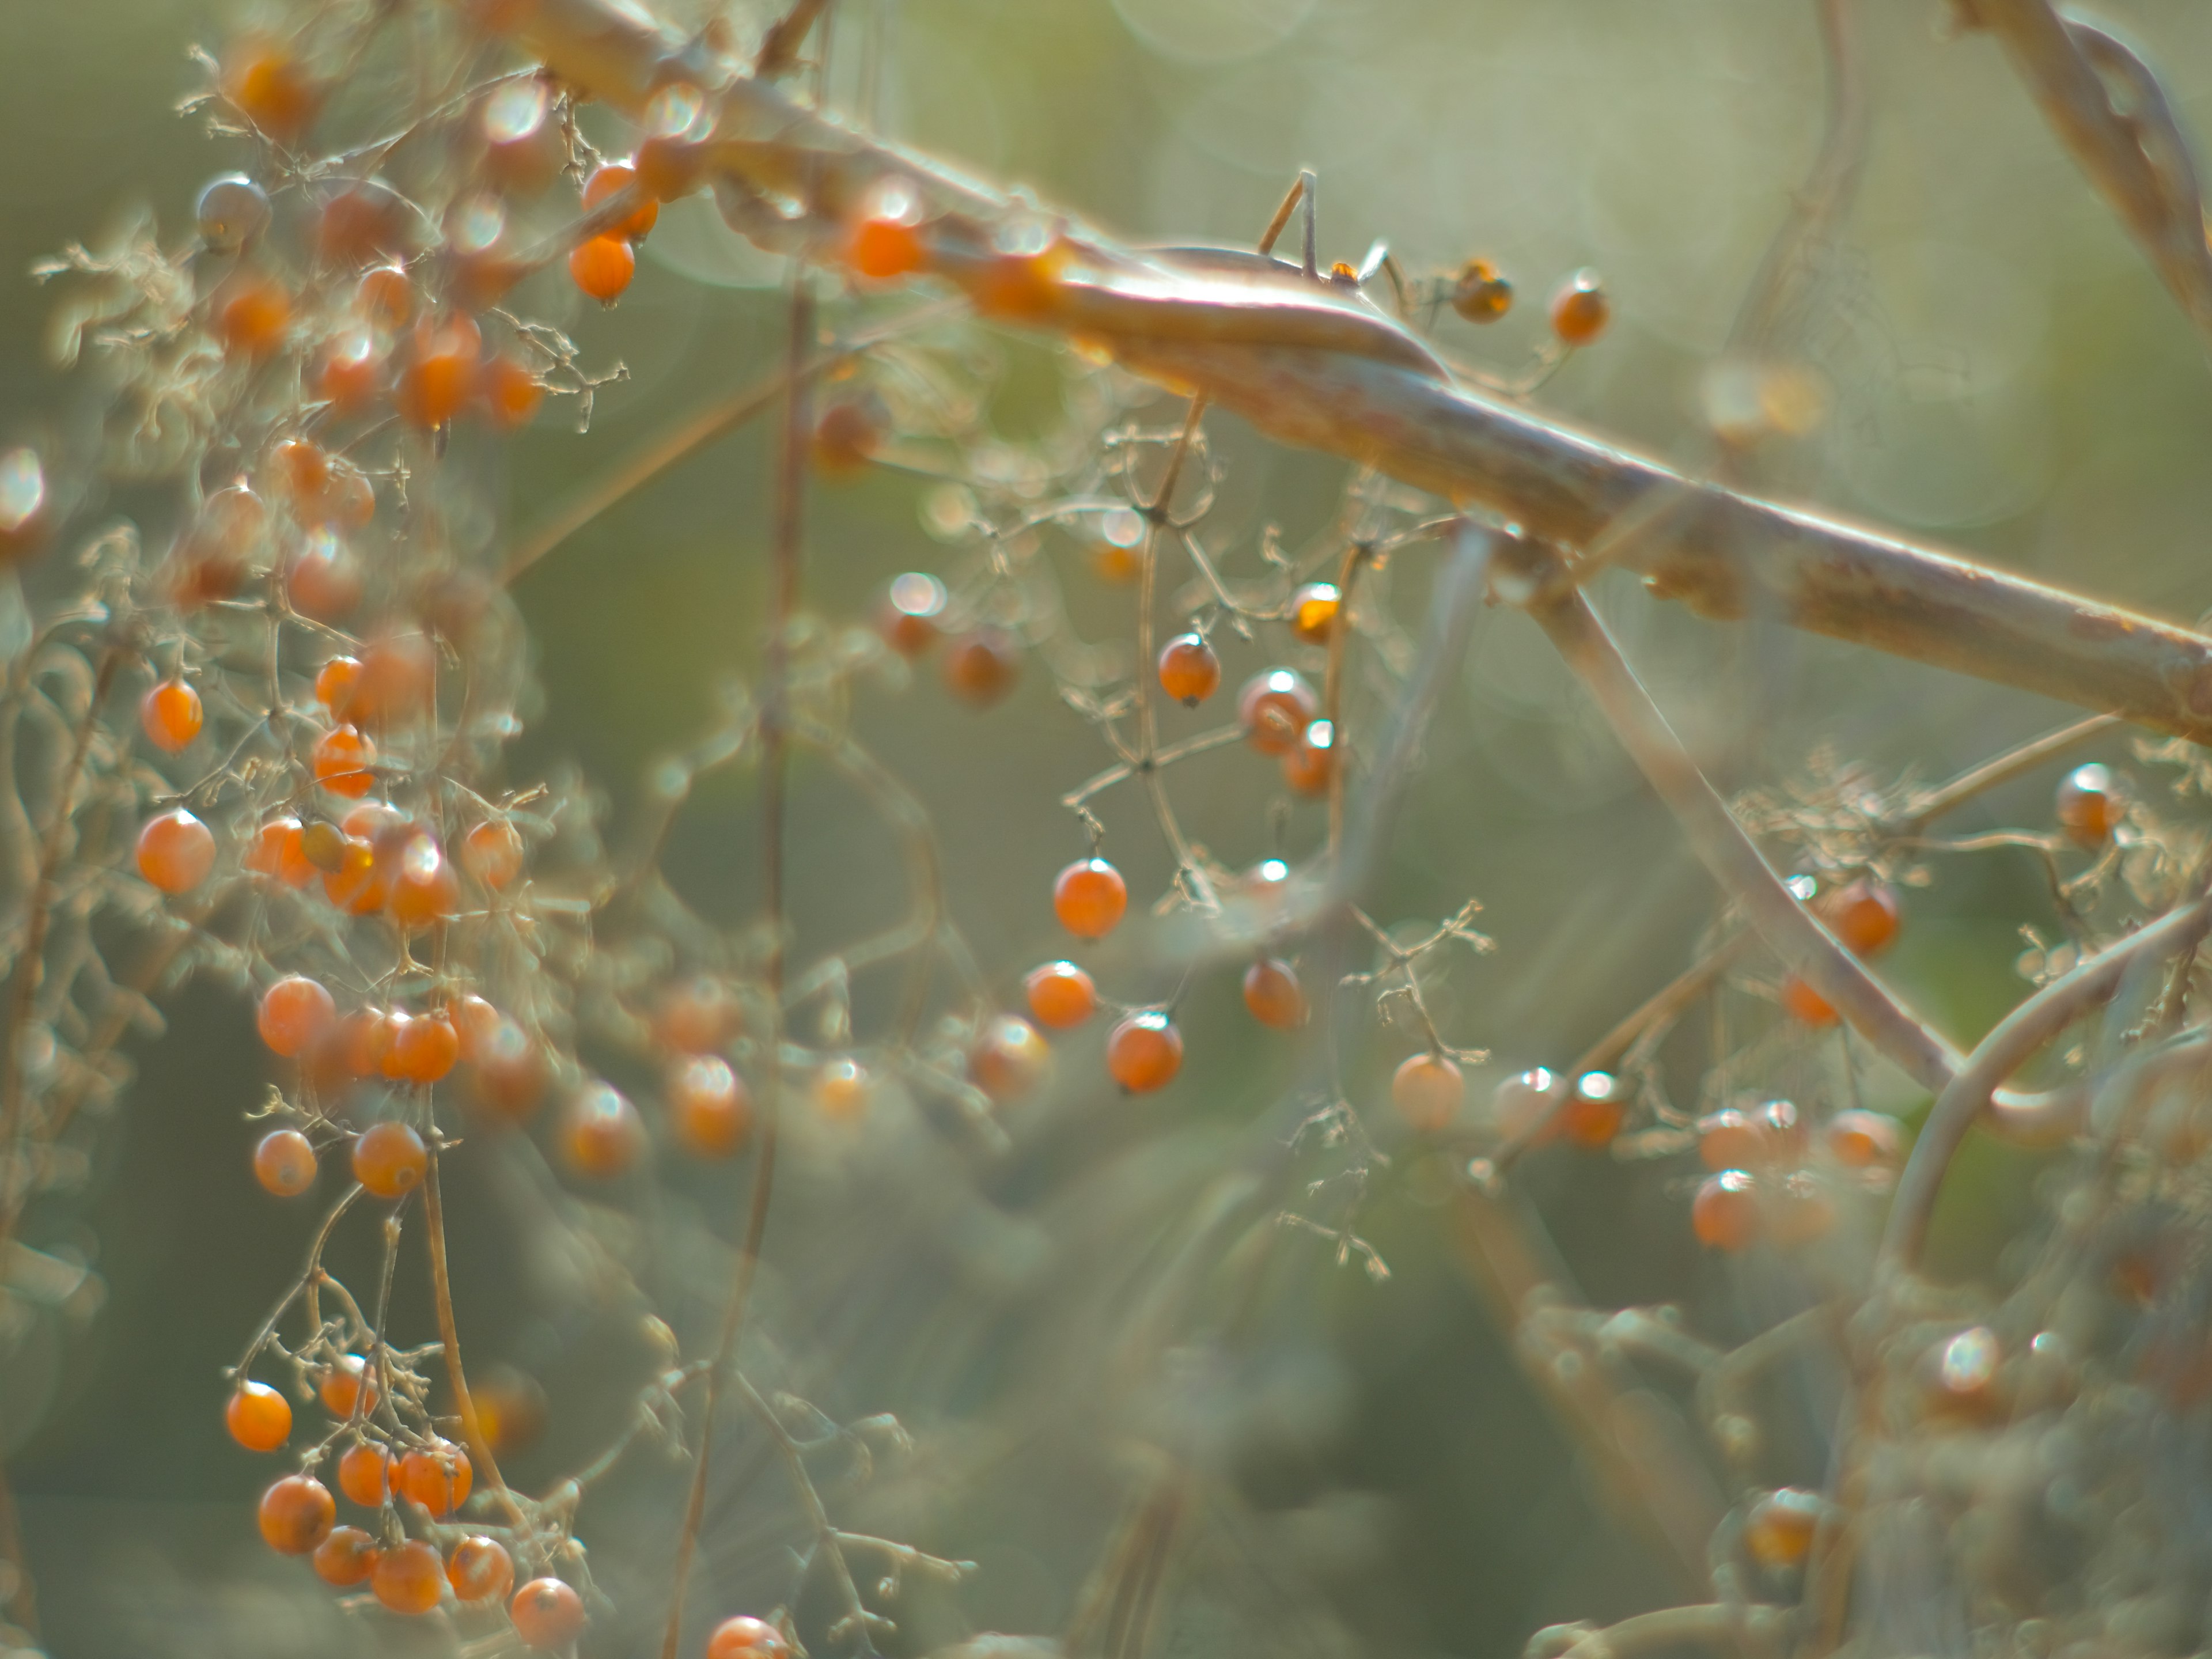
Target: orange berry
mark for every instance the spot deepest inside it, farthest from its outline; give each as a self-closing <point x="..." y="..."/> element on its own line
<point x="477" y="1023"/>
<point x="277" y="850"/>
<point x="409" y="1578"/>
<point x="523" y="149"/>
<point x="348" y="1384"/>
<point x="171" y="714"/>
<point x="1778" y="1531"/>
<point x="424" y="889"/>
<point x="335" y="681"/>
<point x="1019" y="285"/>
<point x="1479" y="293"/>
<point x="1580" y="309"/>
<point x="601" y="1134"/>
<point x="437" y="1478"/>
<point x="709" y="1109"/>
<point x="348" y="500"/>
<point x="398" y="678"/>
<point x="547" y="1614"/>
<point x="360" y="884"/>
<point x="678" y="120"/>
<point x="510" y="1408"/>
<point x="492" y="853"/>
<point x="1428" y="1090"/>
<point x="511" y="1073"/>
<point x="1801" y="1211"/>
<point x="1863" y="1140"/>
<point x="913" y="604"/>
<point x="1089" y="898"/>
<point x="480" y="1569"/>
<point x="341" y="760"/>
<point x="365" y="220"/>
<point x="1962" y="1374"/>
<point x="1311" y="764"/>
<point x="1144" y="1052"/>
<point x="842" y="1090"/>
<point x="603" y="267"/>
<point x="2091" y="804"/>
<point x="322" y="580"/>
<point x="1189" y="671"/>
<point x="745" y="1638"/>
<point x="284" y="1163"/>
<point x="1274" y="708"/>
<point x="296" y="1514"/>
<point x="982" y="667"/>
<point x="441" y="371"/>
<point x="1806" y="1005"/>
<point x="1061" y="995"/>
<point x="883" y="250"/>
<point x="1594" y="1109"/>
<point x="423" y="1049"/>
<point x="258" y="1417"/>
<point x="294" y="1013"/>
<point x="1009" y="1058"/>
<point x="1313" y="611"/>
<point x="1273" y="994"/>
<point x="386" y="297"/>
<point x="1864" y="916"/>
<point x="698" y="1016"/>
<point x="176" y="851"/>
<point x="1725" y="1213"/>
<point x="1728" y="1139"/>
<point x="346" y="1558"/>
<point x="511" y="392"/>
<point x="847" y="435"/>
<point x="23" y="501"/>
<point x="251" y="313"/>
<point x="232" y="211"/>
<point x="350" y="374"/>
<point x="215" y="554"/>
<point x="389" y="1159"/>
<point x="365" y="1472"/>
<point x="605" y="182"/>
<point x="301" y="469"/>
<point x="1522" y="1104"/>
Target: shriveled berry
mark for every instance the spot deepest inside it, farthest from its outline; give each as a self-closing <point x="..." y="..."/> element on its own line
<point x="284" y="1163"/>
<point x="1061" y="995"/>
<point x="258" y="1417"/>
<point x="296" y="1514"/>
<point x="1090" y="899"/>
<point x="389" y="1160"/>
<point x="1144" y="1052"/>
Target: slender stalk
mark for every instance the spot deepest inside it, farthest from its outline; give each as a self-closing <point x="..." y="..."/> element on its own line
<point x="2001" y="769"/>
<point x="441" y="1290"/>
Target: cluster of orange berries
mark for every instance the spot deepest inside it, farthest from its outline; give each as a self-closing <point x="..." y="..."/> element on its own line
<point x="1864" y="917"/>
<point x="1759" y="1188"/>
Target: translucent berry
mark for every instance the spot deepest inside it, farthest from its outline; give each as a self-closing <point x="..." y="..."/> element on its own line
<point x="1778" y="1530"/>
<point x="351" y="372"/>
<point x="847" y="436"/>
<point x="277" y="850"/>
<point x="1309" y="764"/>
<point x="1313" y="611"/>
<point x="322" y="578"/>
<point x="1274" y="708"/>
<point x="523" y="147"/>
<point x="364" y="1472"/>
<point x="171" y="714"/>
<point x="2091" y="804"/>
<point x="1009" y="1058"/>
<point x="1090" y="899"/>
<point x="1273" y="995"/>
<point x="912" y="605"/>
<point x="1730" y="1139"/>
<point x="511" y="392"/>
<point x="1479" y="293"/>
<point x="842" y="1090"/>
<point x="346" y="1558"/>
<point x="480" y="1569"/>
<point x="389" y="1160"/>
<point x="424" y="889"/>
<point x="284" y="1163"/>
<point x="1144" y="1052"/>
<point x="441" y="371"/>
<point x="1428" y="1090"/>
<point x="697" y="1016"/>
<point x="603" y="267"/>
<point x="296" y="1514"/>
<point x="746" y="1637"/>
<point x="23" y="501"/>
<point x="342" y="758"/>
<point x="251" y="313"/>
<point x="601" y="1134"/>
<point x="335" y="681"/>
<point x="1863" y="1140"/>
<point x="366" y="220"/>
<point x="294" y="1013"/>
<point x="175" y="851"/>
<point x="386" y="297"/>
<point x="709" y="1111"/>
<point x="1580" y="309"/>
<point x="1189" y="671"/>
<point x="258" y="1417"/>
<point x="547" y="1614"/>
<point x="1061" y="995"/>
<point x="1594" y="1109"/>
<point x="1726" y="1213"/>
<point x="436" y="1477"/>
<point x="232" y="211"/>
<point x="418" y="1049"/>
<point x="982" y="667"/>
<point x="1522" y="1105"/>
<point x="398" y="678"/>
<point x="511" y="1074"/>
<point x="409" y="1578"/>
<point x="1864" y="916"/>
<point x="885" y="243"/>
<point x="607" y="180"/>
<point x="348" y="1383"/>
<point x="1807" y="1006"/>
<point x="492" y="853"/>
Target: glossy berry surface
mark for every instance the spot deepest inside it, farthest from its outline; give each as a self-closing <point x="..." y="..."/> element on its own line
<point x="389" y="1160"/>
<point x="346" y="1558"/>
<point x="710" y="1112"/>
<point x="1272" y="994"/>
<point x="1594" y="1109"/>
<point x="437" y="1478"/>
<point x="1061" y="995"/>
<point x="601" y="1134"/>
<point x="1864" y="915"/>
<point x="284" y="1163"/>
<point x="1725" y="1213"/>
<point x="1144" y="1052"/>
<point x="610" y="179"/>
<point x="746" y="1637"/>
<point x="1778" y="1529"/>
<point x="1189" y="671"/>
<point x="365" y="1474"/>
<point x="2091" y="804"/>
<point x="341" y="761"/>
<point x="603" y="267"/>
<point x="1274" y="708"/>
<point x="1428" y="1090"/>
<point x="171" y="715"/>
<point x="409" y="1578"/>
<point x="294" y="1013"/>
<point x="1580" y="309"/>
<point x="1008" y="1059"/>
<point x="258" y="1417"/>
<point x="480" y="1569"/>
<point x="296" y="1514"/>
<point x="547" y="1614"/>
<point x="1314" y="610"/>
<point x="1090" y="899"/>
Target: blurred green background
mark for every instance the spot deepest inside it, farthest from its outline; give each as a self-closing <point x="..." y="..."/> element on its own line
<point x="2006" y="377"/>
